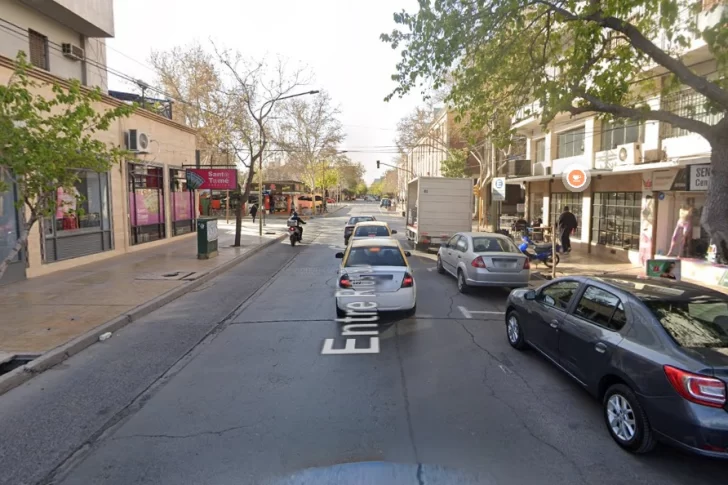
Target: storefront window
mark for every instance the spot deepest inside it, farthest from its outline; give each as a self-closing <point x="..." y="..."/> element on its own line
<point x="146" y="203"/>
<point x="689" y="239"/>
<point x="8" y="218"/>
<point x="619" y="133"/>
<point x="571" y="143"/>
<point x="573" y="201"/>
<point x="616" y="219"/>
<point x="183" y="205"/>
<point x="81" y="224"/>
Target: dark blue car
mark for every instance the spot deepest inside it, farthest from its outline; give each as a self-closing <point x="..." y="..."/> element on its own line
<point x="654" y="352"/>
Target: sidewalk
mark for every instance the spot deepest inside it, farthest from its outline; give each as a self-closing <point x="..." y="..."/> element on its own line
<point x="45" y="312"/>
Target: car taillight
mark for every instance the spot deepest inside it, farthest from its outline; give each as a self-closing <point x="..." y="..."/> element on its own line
<point x="478" y="262"/>
<point x="407" y="281"/>
<point x="344" y="281"/>
<point x="697" y="388"/>
<point x="527" y="264"/>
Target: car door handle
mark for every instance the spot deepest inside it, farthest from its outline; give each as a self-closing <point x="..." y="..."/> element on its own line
<point x="600" y="347"/>
<point x="554" y="324"/>
<point x="459" y="257"/>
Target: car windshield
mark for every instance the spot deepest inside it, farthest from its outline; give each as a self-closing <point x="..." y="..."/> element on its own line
<point x="371" y="231"/>
<point x="693" y="323"/>
<point x="375" y="256"/>
<point x="494" y="244"/>
<point x="356" y="220"/>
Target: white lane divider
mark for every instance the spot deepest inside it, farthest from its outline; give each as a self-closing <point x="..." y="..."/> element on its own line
<point x="469" y="313"/>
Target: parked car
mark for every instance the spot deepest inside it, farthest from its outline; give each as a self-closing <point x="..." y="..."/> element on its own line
<point x="366" y="229"/>
<point x="483" y="259"/>
<point x="384" y="262"/>
<point x="349" y="227"/>
<point x="654" y="352"/>
<point x="386" y="203"/>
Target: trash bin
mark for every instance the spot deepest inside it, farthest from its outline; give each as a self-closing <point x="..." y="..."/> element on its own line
<point x="206" y="237"/>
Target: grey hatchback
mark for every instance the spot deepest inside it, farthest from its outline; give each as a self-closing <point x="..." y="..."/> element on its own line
<point x="655" y="352"/>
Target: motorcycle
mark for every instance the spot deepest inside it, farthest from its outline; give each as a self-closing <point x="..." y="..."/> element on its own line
<point x="295" y="232"/>
<point x="539" y="252"/>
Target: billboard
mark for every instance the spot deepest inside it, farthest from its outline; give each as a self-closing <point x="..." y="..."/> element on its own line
<point x="212" y="178"/>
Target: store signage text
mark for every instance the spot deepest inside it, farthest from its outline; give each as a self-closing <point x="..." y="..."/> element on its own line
<point x="699" y="177"/>
<point x="214" y="179"/>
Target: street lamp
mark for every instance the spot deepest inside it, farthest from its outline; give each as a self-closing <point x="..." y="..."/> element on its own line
<point x="260" y="166"/>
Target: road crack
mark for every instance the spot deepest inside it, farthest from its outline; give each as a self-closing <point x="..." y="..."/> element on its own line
<point x="183" y="436"/>
<point x="405" y="395"/>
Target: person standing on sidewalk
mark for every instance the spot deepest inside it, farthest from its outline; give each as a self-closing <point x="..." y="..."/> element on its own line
<point x="567" y="225"/>
<point x="253" y="211"/>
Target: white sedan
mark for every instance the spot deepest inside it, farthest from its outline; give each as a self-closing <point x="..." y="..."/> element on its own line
<point x="375" y="276"/>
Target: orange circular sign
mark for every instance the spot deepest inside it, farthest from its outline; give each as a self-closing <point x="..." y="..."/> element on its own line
<point x="576" y="178"/>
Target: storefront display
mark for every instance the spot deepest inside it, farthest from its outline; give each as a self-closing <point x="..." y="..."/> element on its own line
<point x="146" y="203"/>
<point x="81" y="224"/>
<point x="183" y="203"/>
<point x="572" y="200"/>
<point x="616" y="219"/>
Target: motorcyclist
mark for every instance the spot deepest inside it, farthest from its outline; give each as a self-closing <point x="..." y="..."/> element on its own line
<point x="299" y="221"/>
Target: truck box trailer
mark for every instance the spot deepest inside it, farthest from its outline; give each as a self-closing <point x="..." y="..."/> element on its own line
<point x="437" y="208"/>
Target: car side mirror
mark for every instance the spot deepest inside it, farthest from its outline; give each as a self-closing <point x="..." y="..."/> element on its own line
<point x="339" y="255"/>
<point x="394" y="232"/>
<point x="407" y="253"/>
<point x="530" y="295"/>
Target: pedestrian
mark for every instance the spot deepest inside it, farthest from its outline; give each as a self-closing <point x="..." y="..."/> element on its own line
<point x="567" y="225"/>
<point x="253" y="211"/>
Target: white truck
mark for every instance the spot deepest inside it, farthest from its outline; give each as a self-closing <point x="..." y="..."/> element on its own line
<point x="437" y="208"/>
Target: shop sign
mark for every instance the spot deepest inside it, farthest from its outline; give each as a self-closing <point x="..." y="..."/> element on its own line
<point x="663" y="179"/>
<point x="212" y="178"/>
<point x="699" y="177"/>
<point x="664" y="268"/>
<point x="647" y="181"/>
<point x="681" y="180"/>
<point x="498" y="189"/>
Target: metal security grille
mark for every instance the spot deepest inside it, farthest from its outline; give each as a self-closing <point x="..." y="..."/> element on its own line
<point x="38" y="49"/>
<point x="616" y="219"/>
<point x="573" y="200"/>
<point x="688" y="104"/>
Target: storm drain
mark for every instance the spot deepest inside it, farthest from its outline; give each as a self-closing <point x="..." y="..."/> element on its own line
<point x="9" y="362"/>
<point x="169" y="276"/>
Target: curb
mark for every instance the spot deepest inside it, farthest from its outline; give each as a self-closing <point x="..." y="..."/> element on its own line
<point x="57" y="355"/>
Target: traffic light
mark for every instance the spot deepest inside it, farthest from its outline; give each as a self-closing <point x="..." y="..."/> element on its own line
<point x="377" y="163"/>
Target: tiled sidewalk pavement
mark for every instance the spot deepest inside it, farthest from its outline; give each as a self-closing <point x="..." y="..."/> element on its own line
<point x="42" y="313"/>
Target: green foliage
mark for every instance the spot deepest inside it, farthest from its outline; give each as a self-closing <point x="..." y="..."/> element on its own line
<point x="44" y="140"/>
<point x="455" y="164"/>
<point x="361" y="189"/>
<point x="569" y="56"/>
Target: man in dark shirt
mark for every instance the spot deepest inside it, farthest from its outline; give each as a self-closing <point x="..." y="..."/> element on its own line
<point x="567" y="225"/>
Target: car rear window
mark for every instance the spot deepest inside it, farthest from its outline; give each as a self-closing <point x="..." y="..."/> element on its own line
<point x="356" y="220"/>
<point x="370" y="231"/>
<point x="375" y="256"/>
<point x="693" y="323"/>
<point x="493" y="244"/>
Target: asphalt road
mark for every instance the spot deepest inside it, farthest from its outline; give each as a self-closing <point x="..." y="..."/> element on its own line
<point x="228" y="385"/>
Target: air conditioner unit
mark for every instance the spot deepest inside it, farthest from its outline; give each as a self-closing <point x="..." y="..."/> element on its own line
<point x="73" y="52"/>
<point x="629" y="154"/>
<point x="137" y="141"/>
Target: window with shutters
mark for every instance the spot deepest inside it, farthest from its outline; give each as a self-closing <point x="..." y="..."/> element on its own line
<point x="38" y="50"/>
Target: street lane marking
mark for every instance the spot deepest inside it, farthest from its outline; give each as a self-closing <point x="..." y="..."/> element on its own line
<point x="432" y="269"/>
<point x="350" y="347"/>
<point x="469" y="313"/>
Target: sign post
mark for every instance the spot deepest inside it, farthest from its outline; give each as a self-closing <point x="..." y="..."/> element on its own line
<point x="498" y="189"/>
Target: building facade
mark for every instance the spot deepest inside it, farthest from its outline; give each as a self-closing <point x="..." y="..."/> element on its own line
<point x="649" y="180"/>
<point x="143" y="201"/>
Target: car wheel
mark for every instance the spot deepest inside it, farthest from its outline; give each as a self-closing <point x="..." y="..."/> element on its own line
<point x="462" y="284"/>
<point x="293" y="241"/>
<point x="339" y="312"/>
<point x="626" y="420"/>
<point x="440" y="267"/>
<point x="514" y="331"/>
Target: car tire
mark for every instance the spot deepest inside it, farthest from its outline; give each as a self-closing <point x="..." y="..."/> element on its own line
<point x="440" y="267"/>
<point x="462" y="284"/>
<point x="339" y="312"/>
<point x="514" y="331"/>
<point x="622" y="404"/>
<point x="411" y="312"/>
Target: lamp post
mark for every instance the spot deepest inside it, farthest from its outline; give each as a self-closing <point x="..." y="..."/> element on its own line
<point x="260" y="166"/>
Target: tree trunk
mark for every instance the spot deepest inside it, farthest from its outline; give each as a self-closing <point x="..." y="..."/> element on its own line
<point x="20" y="244"/>
<point x="244" y="200"/>
<point x="715" y="211"/>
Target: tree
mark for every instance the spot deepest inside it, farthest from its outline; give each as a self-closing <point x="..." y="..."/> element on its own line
<point x="191" y="75"/>
<point x="361" y="189"/>
<point x="607" y="58"/>
<point x="44" y="141"/>
<point x="255" y="88"/>
<point x="455" y="163"/>
<point x="310" y="133"/>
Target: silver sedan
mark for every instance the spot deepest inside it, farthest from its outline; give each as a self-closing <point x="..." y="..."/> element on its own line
<point x="483" y="259"/>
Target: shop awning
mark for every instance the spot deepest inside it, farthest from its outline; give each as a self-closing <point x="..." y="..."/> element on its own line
<point x="538" y="178"/>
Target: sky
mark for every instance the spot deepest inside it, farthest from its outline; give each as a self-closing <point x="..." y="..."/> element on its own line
<point x="338" y="40"/>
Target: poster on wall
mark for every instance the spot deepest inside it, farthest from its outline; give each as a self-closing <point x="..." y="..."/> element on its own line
<point x="182" y="206"/>
<point x="664" y="268"/>
<point x="212" y="178"/>
<point x="146" y="206"/>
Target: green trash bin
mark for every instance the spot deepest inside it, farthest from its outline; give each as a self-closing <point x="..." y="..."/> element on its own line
<point x="206" y="237"/>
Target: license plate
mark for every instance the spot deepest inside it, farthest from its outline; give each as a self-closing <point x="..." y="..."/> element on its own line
<point x="505" y="263"/>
